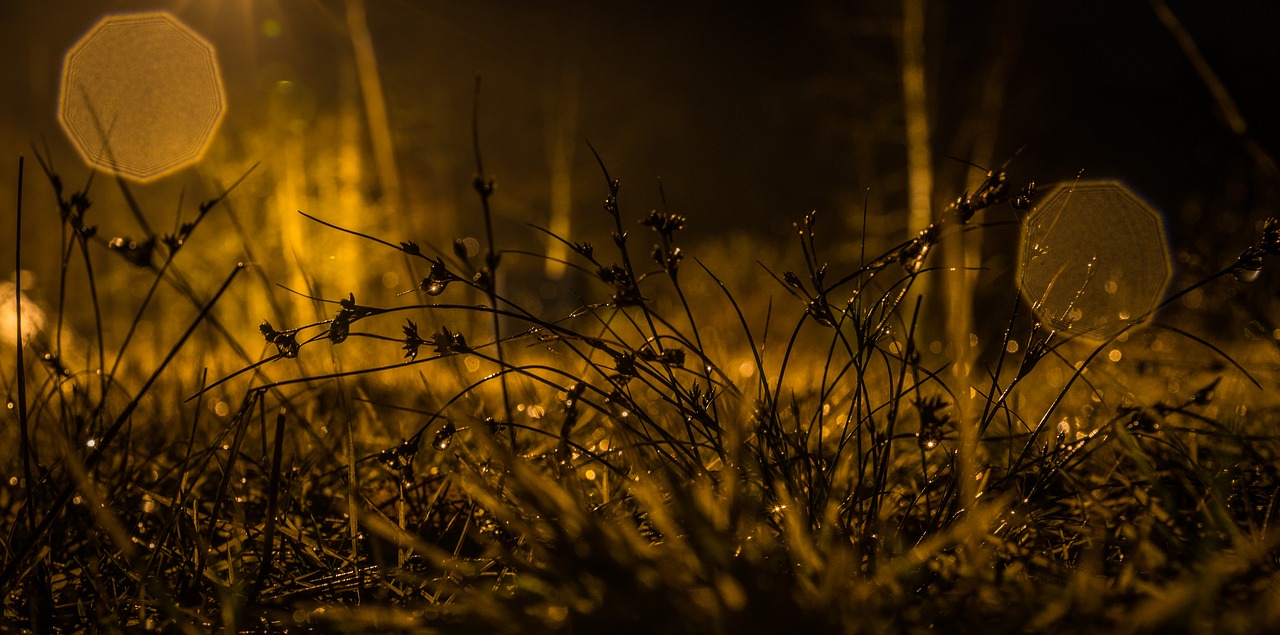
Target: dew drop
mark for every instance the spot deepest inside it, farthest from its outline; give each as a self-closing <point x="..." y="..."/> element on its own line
<point x="444" y="437"/>
<point x="1246" y="275"/>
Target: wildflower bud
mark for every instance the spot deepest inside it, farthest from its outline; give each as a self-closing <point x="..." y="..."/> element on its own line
<point x="1144" y="420"/>
<point x="412" y="341"/>
<point x="80" y="202"/>
<point x="55" y="365"/>
<point x="448" y="343"/>
<point x="572" y="395"/>
<point x="1249" y="265"/>
<point x="482" y="278"/>
<point x="932" y="422"/>
<point x="1271" y="236"/>
<point x="820" y="311"/>
<point x="792" y="280"/>
<point x="137" y="253"/>
<point x="1206" y="394"/>
<point x="339" y="330"/>
<point x="1026" y="198"/>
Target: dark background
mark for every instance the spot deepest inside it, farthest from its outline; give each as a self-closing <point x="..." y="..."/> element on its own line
<point x="751" y="114"/>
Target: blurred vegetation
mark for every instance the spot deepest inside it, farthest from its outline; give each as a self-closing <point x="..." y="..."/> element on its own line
<point x="704" y="408"/>
<point x="696" y="443"/>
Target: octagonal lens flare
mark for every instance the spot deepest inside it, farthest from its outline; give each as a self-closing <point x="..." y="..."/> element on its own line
<point x="141" y="95"/>
<point x="1094" y="258"/>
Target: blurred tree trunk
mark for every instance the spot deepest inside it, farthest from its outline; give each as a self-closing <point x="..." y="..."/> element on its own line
<point x="375" y="105"/>
<point x="975" y="141"/>
<point x="562" y="133"/>
<point x="916" y="111"/>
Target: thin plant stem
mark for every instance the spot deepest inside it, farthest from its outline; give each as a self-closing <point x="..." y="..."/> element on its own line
<point x="484" y="187"/>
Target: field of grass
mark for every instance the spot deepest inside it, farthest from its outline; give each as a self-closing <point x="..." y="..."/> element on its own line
<point x="690" y="444"/>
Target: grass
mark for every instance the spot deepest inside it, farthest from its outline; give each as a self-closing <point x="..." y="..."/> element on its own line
<point x="671" y="454"/>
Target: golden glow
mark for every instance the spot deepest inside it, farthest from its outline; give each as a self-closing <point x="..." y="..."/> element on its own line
<point x="1094" y="256"/>
<point x="141" y="95"/>
<point x="33" y="316"/>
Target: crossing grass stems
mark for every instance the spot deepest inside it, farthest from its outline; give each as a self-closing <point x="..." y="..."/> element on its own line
<point x="649" y="458"/>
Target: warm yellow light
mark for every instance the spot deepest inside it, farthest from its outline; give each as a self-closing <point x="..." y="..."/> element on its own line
<point x="141" y="95"/>
<point x="1094" y="257"/>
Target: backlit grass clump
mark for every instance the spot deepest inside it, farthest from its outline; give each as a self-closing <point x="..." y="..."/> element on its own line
<point x="651" y="459"/>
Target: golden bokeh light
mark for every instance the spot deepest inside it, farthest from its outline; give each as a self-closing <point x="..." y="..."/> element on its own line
<point x="141" y="95"/>
<point x="1094" y="257"/>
